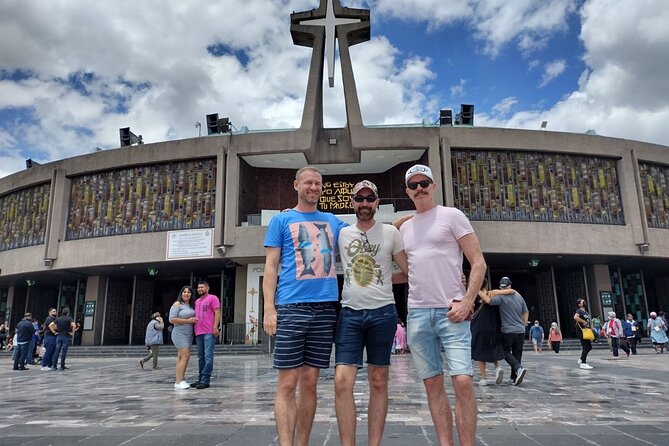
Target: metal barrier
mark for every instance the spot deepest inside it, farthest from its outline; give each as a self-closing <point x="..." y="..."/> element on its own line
<point x="238" y="334"/>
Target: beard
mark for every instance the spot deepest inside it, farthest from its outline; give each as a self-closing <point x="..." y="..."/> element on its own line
<point x="365" y="214"/>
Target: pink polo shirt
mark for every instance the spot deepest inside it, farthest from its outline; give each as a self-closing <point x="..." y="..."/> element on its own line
<point x="205" y="307"/>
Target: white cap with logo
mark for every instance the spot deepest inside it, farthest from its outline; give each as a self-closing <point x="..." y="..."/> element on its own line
<point x="418" y="169"/>
<point x="365" y="184"/>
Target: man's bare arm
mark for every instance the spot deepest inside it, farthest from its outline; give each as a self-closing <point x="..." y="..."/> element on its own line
<point x="401" y="259"/>
<point x="270" y="280"/>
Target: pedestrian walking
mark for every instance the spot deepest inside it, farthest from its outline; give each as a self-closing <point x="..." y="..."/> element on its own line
<point x="153" y="339"/>
<point x="537" y="336"/>
<point x="614" y="331"/>
<point x="656" y="331"/>
<point x="554" y="338"/>
<point x="631" y="331"/>
<point x="514" y="314"/>
<point x="582" y="319"/>
<point x="487" y="337"/>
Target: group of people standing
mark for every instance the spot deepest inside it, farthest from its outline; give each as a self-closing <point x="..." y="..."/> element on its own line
<point x="57" y="334"/>
<point x="299" y="306"/>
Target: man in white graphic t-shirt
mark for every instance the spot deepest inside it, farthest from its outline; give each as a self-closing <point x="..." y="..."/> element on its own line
<point x="368" y="318"/>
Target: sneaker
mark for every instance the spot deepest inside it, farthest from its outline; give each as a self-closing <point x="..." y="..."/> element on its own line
<point x="585" y="366"/>
<point x="483" y="382"/>
<point x="579" y="361"/>
<point x="202" y="386"/>
<point x="511" y="381"/>
<point x="157" y="368"/>
<point x="521" y="374"/>
<point x="45" y="368"/>
<point x="183" y="385"/>
<point x="141" y="364"/>
<point x="195" y="384"/>
<point x="499" y="375"/>
<point x="53" y="369"/>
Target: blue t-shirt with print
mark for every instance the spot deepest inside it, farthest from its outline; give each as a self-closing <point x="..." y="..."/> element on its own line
<point x="308" y="248"/>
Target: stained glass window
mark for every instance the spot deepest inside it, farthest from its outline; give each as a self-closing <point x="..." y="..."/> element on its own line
<point x="655" y="187"/>
<point x="536" y="186"/>
<point x="23" y="217"/>
<point x="160" y="197"/>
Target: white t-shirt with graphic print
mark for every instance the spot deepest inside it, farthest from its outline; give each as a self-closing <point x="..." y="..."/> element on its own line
<point x="368" y="265"/>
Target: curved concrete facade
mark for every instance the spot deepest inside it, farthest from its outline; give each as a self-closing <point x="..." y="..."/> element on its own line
<point x="115" y="234"/>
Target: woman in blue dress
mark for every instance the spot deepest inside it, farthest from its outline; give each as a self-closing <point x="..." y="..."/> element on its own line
<point x="656" y="328"/>
<point x="182" y="316"/>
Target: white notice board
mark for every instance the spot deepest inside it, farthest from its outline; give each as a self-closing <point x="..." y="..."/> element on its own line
<point x="190" y="244"/>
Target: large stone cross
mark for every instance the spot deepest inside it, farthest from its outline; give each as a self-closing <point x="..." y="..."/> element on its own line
<point x="319" y="29"/>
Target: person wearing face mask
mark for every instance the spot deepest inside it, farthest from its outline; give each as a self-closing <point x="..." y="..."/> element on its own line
<point x="555" y="338"/>
<point x="537" y="336"/>
<point x="630" y="331"/>
<point x="614" y="331"/>
<point x="655" y="329"/>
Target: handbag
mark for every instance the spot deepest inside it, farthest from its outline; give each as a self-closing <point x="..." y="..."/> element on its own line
<point x="587" y="334"/>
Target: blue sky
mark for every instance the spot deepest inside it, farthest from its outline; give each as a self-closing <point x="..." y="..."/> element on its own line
<point x="73" y="72"/>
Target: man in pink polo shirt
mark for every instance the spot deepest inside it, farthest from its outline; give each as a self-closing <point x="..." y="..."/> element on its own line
<point x="208" y="318"/>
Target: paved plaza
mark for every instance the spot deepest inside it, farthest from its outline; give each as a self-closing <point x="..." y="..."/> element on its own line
<point x="110" y="401"/>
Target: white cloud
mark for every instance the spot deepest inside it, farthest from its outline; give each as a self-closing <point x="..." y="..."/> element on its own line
<point x="459" y="89"/>
<point x="504" y="106"/>
<point x="494" y="23"/>
<point x="145" y="65"/>
<point x="552" y="70"/>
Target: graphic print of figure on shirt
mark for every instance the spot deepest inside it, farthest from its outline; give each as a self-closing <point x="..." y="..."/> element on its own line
<point x="314" y="256"/>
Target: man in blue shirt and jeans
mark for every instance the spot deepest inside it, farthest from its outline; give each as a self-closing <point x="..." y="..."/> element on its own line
<point x="24" y="334"/>
<point x="300" y="308"/>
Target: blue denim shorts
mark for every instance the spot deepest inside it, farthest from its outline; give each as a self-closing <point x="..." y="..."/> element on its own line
<point x="304" y="335"/>
<point x="428" y="332"/>
<point x="373" y="330"/>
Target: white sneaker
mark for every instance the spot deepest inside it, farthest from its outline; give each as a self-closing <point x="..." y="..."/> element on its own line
<point x="499" y="375"/>
<point x="579" y="361"/>
<point x="183" y="385"/>
<point x="45" y="368"/>
<point x="483" y="382"/>
<point x="586" y="366"/>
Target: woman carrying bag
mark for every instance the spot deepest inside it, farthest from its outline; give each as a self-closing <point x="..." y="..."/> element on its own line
<point x="582" y="319"/>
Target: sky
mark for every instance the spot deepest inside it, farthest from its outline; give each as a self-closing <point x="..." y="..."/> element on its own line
<point x="72" y="72"/>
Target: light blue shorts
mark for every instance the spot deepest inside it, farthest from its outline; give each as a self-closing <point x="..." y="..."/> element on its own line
<point x="428" y="332"/>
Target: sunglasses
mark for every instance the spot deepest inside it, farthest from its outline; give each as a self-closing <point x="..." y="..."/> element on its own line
<point x="414" y="185"/>
<point x="365" y="240"/>
<point x="360" y="198"/>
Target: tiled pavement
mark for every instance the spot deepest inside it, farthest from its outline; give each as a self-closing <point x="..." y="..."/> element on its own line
<point x="108" y="401"/>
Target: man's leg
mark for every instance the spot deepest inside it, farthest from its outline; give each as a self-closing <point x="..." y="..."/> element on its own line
<point x="440" y="409"/>
<point x="199" y="342"/>
<point x="507" y="343"/>
<point x="155" y="349"/>
<point x="465" y="409"/>
<point x="517" y="347"/>
<point x="378" y="403"/>
<point x="345" y="403"/>
<point x="306" y="404"/>
<point x="614" y="347"/>
<point x="208" y="367"/>
<point x="63" y="356"/>
<point x="49" y="346"/>
<point x="285" y="407"/>
<point x="56" y="353"/>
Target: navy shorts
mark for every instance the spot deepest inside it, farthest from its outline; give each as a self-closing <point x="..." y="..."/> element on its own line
<point x="304" y="335"/>
<point x="373" y="330"/>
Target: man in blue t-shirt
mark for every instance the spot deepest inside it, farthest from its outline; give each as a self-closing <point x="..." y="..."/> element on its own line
<point x="300" y="311"/>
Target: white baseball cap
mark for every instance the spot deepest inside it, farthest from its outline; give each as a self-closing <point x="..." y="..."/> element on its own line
<point x="418" y="169"/>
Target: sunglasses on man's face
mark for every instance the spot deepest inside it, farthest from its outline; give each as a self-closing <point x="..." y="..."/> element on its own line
<point x="360" y="198"/>
<point x="414" y="185"/>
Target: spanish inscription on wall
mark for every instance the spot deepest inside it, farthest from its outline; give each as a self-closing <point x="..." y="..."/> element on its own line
<point x="336" y="197"/>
